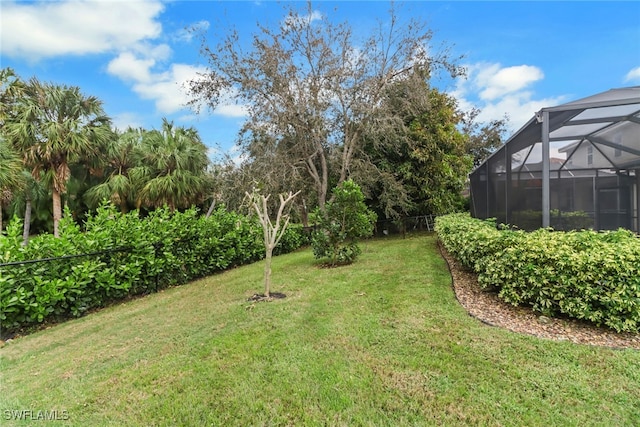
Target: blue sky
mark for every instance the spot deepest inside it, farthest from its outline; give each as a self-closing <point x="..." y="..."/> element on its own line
<point x="134" y="55"/>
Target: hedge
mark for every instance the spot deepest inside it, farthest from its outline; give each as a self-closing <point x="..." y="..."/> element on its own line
<point x="587" y="275"/>
<point x="131" y="256"/>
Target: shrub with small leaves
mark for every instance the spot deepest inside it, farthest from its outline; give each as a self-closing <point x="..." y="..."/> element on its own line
<point x="120" y="255"/>
<point x="344" y="222"/>
<point x="587" y="275"/>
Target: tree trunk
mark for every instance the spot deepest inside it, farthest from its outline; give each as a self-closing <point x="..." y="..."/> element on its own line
<point x="348" y="149"/>
<point x="211" y="208"/>
<point x="304" y="215"/>
<point x="267" y="272"/>
<point x="321" y="177"/>
<point x="26" y="227"/>
<point x="272" y="233"/>
<point x="57" y="212"/>
<point x="318" y="180"/>
<point x="322" y="197"/>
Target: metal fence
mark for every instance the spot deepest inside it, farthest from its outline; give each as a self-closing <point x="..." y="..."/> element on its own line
<point x="64" y="263"/>
<point x="382" y="228"/>
<point x="405" y="225"/>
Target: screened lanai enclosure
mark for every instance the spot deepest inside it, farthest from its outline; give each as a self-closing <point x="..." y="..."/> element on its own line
<point x="574" y="166"/>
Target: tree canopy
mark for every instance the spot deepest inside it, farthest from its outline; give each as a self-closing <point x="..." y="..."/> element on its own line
<point x="53" y="127"/>
<point x="172" y="170"/>
<point x="312" y="87"/>
<point x="63" y="139"/>
<point x="415" y="158"/>
<point x="325" y="103"/>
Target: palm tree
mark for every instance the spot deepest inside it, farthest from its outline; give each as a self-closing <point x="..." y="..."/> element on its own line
<point x="54" y="127"/>
<point x="173" y="168"/>
<point x="32" y="198"/>
<point x="11" y="90"/>
<point x="121" y="156"/>
<point x="10" y="165"/>
<point x="10" y="177"/>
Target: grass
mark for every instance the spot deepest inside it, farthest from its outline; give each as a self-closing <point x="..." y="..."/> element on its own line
<point x="380" y="342"/>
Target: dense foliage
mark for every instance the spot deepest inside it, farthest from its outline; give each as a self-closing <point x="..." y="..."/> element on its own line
<point x="66" y="149"/>
<point x="345" y="220"/>
<point x="310" y="100"/>
<point x="418" y="158"/>
<point x="55" y="127"/>
<point x="587" y="275"/>
<point x="404" y="142"/>
<point x="127" y="256"/>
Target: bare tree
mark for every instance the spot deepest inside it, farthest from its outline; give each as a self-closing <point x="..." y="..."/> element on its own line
<point x="313" y="86"/>
<point x="273" y="232"/>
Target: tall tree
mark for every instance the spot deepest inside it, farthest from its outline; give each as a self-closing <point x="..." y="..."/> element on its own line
<point x="120" y="158"/>
<point x="10" y="174"/>
<point x="11" y="89"/>
<point x="173" y="168"/>
<point x="438" y="150"/>
<point x="54" y="127"/>
<point x="313" y="87"/>
<point x="416" y="154"/>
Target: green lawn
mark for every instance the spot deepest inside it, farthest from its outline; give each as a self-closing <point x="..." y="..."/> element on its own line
<point x="381" y="342"/>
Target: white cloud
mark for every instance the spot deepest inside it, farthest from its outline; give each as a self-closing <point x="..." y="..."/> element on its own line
<point x="187" y="34"/>
<point x="122" y="121"/>
<point x="187" y="118"/>
<point x="160" y="52"/>
<point x="168" y="88"/>
<point x="497" y="81"/>
<point x="127" y="67"/>
<point x="498" y="91"/>
<point x="633" y="75"/>
<point x="48" y="29"/>
<point x="231" y="110"/>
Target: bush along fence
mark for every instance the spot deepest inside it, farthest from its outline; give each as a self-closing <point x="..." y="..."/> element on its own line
<point x="587" y="275"/>
<point x="119" y="256"/>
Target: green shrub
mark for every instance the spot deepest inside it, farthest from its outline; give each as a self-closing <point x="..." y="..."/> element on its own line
<point x="587" y="275"/>
<point x="126" y="256"/>
<point x="294" y="238"/>
<point x="472" y="241"/>
<point x="345" y="220"/>
<point x="568" y="221"/>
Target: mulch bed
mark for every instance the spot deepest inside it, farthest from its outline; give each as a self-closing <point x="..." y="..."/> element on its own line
<point x="488" y="308"/>
<point x="263" y="297"/>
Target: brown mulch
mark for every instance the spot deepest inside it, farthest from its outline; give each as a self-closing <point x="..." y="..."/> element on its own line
<point x="263" y="297"/>
<point x="488" y="308"/>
